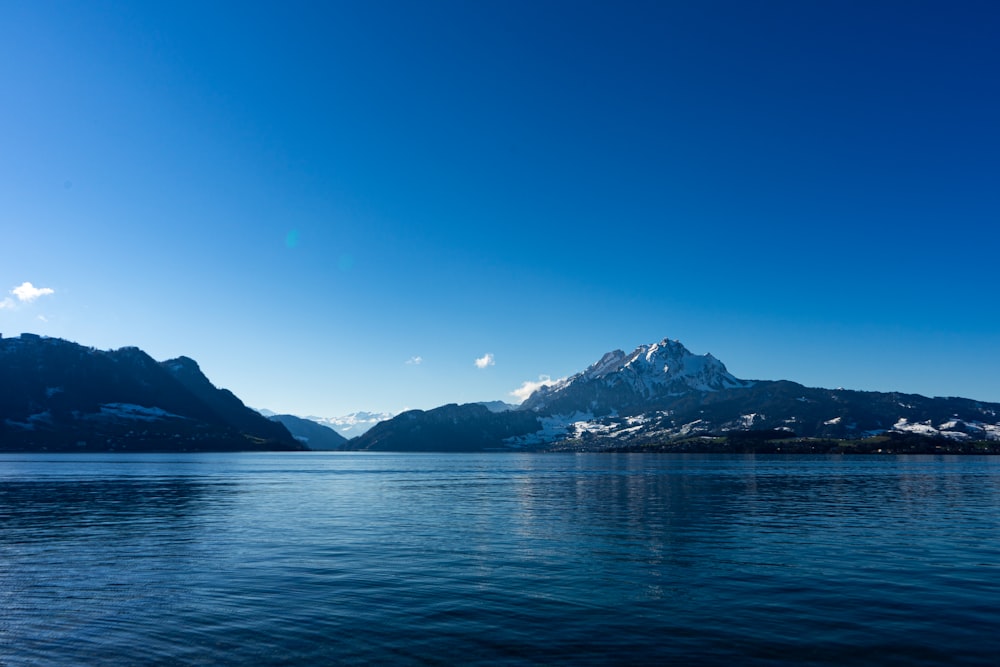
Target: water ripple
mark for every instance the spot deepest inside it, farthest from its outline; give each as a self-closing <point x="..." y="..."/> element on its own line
<point x="289" y="559"/>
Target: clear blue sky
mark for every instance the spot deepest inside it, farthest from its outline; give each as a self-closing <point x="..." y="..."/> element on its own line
<point x="305" y="197"/>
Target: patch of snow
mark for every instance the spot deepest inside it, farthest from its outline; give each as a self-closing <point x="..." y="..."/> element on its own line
<point x="135" y="412"/>
<point x="553" y="428"/>
<point x="921" y="428"/>
<point x="991" y="431"/>
<point x="833" y="422"/>
<point x="979" y="430"/>
<point x="594" y="427"/>
<point x="693" y="427"/>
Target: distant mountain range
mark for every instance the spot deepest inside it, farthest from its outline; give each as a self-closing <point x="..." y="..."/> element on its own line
<point x="60" y="396"/>
<point x="661" y="397"/>
<point x="353" y="424"/>
<point x="347" y="426"/>
<point x="313" y="435"/>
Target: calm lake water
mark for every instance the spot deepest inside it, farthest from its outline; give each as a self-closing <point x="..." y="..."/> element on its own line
<point x="334" y="558"/>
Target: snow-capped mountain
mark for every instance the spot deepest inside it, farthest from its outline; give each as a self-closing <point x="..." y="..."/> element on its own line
<point x="619" y="381"/>
<point x="353" y="424"/>
<point x="349" y="426"/>
<point x="782" y="409"/>
<point x="662" y="396"/>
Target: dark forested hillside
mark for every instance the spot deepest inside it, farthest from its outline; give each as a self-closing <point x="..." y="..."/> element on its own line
<point x="56" y="395"/>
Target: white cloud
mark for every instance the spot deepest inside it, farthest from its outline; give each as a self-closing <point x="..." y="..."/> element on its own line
<point x="529" y="387"/>
<point x="415" y="361"/>
<point x="27" y="292"/>
<point x="485" y="360"/>
<point x="6" y="303"/>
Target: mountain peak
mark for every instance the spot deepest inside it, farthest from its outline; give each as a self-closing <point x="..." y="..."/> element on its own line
<point x="182" y="364"/>
<point x="650" y="372"/>
<point x="669" y="362"/>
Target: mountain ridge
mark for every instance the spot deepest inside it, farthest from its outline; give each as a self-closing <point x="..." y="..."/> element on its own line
<point x="56" y="395"/>
<point x="661" y="393"/>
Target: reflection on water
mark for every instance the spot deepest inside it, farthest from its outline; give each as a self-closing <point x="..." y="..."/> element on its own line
<point x="517" y="559"/>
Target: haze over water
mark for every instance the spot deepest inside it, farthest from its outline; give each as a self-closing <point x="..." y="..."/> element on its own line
<point x="275" y="559"/>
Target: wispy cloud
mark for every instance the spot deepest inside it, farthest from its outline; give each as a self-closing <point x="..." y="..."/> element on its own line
<point x="485" y="360"/>
<point x="26" y="292"/>
<point x="529" y="387"/>
<point x="7" y="302"/>
<point x="415" y="361"/>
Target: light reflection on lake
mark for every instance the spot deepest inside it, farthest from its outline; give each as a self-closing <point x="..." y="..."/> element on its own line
<point x="498" y="558"/>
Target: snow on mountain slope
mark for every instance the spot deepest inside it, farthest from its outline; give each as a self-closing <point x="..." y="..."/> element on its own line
<point x="661" y="395"/>
<point x="954" y="429"/>
<point x="609" y="363"/>
<point x="652" y="371"/>
<point x="669" y="362"/>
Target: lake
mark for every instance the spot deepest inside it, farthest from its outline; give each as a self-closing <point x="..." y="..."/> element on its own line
<point x="517" y="559"/>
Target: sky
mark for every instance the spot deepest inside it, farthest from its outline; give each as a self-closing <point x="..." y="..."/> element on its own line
<point x="375" y="205"/>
